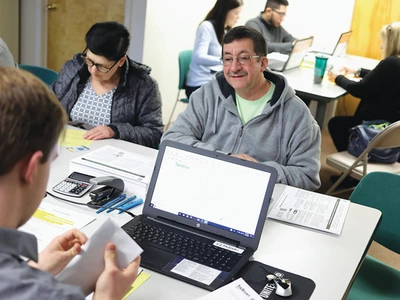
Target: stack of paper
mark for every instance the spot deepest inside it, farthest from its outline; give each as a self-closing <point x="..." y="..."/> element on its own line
<point x="310" y="209"/>
<point x="135" y="170"/>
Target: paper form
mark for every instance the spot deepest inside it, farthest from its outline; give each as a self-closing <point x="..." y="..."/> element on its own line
<point x="236" y="290"/>
<point x="50" y="220"/>
<point x="311" y="209"/>
<point x="84" y="269"/>
<point x="143" y="276"/>
<point x="74" y="137"/>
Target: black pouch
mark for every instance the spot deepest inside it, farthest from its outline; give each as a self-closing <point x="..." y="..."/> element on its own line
<point x="254" y="273"/>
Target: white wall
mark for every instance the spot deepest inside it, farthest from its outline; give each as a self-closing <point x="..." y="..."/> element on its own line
<point x="171" y="26"/>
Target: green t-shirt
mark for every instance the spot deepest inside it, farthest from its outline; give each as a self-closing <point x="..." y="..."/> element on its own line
<point x="250" y="109"/>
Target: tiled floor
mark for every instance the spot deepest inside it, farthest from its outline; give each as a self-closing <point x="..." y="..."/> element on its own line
<point x="376" y="250"/>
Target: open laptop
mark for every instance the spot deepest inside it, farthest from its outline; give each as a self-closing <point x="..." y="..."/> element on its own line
<point x="295" y="57"/>
<point x="341" y="45"/>
<point x="203" y="215"/>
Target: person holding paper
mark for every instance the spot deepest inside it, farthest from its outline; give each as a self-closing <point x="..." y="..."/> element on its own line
<point x="253" y="114"/>
<point x="28" y="146"/>
<point x="207" y="47"/>
<point x="104" y="91"/>
<point x="269" y="24"/>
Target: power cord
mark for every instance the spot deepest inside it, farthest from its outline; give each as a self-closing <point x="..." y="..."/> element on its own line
<point x="91" y="205"/>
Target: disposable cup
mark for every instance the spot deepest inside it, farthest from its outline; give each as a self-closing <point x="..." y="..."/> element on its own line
<point x="320" y="67"/>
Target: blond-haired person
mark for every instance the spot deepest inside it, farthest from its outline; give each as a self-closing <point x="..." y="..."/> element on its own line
<point x="379" y="89"/>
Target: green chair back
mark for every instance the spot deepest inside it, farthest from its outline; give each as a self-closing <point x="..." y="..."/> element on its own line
<point x="381" y="190"/>
<point x="45" y="74"/>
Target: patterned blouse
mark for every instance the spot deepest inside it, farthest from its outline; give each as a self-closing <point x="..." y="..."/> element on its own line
<point x="92" y="108"/>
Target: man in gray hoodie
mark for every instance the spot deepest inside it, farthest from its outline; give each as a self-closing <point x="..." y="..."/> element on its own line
<point x="253" y="114"/>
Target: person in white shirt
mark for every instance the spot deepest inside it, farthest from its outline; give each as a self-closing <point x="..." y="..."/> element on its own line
<point x="207" y="47"/>
<point x="6" y="58"/>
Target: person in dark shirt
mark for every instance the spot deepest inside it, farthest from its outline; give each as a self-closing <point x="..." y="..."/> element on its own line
<point x="269" y="24"/>
<point x="379" y="89"/>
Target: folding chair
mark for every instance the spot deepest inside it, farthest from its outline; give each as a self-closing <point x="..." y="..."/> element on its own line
<point x="376" y="280"/>
<point x="358" y="167"/>
<point x="184" y="59"/>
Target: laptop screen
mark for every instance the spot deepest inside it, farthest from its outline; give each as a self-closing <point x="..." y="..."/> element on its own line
<point x="210" y="190"/>
<point x="299" y="50"/>
<point x="342" y="43"/>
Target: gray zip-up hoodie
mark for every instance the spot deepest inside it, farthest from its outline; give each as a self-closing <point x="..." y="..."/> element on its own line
<point x="136" y="104"/>
<point x="285" y="136"/>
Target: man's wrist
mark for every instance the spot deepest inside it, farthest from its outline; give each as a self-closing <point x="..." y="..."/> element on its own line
<point x="358" y="72"/>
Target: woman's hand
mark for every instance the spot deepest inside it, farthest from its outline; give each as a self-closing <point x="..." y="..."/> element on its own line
<point x="99" y="133"/>
<point x="61" y="250"/>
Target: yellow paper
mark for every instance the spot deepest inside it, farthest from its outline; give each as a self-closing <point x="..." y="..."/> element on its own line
<point x="74" y="138"/>
<point x="143" y="276"/>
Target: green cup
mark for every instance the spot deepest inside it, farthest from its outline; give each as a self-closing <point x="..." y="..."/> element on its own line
<point x="319" y="70"/>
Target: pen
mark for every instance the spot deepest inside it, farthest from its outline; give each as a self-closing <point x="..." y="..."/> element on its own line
<point x="130" y="205"/>
<point x="111" y="203"/>
<point x="122" y="203"/>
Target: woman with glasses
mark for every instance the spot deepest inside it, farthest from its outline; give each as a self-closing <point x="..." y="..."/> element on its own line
<point x="379" y="89"/>
<point x="109" y="94"/>
<point x="207" y="47"/>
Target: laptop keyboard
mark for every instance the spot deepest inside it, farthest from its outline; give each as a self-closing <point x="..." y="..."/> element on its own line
<point x="191" y="249"/>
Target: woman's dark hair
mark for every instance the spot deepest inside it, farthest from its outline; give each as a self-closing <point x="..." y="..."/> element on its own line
<point x="218" y="14"/>
<point x="108" y="39"/>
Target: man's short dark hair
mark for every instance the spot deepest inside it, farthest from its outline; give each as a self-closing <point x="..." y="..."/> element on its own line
<point x="276" y="3"/>
<point x="108" y="39"/>
<point x="244" y="32"/>
<point x="31" y="117"/>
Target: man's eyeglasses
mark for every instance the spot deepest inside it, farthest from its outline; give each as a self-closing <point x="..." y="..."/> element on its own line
<point x="281" y="14"/>
<point x="242" y="59"/>
<point x="99" y="67"/>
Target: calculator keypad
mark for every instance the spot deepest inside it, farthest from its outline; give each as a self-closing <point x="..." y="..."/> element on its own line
<point x="70" y="186"/>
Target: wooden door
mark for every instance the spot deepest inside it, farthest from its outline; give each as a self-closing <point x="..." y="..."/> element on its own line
<point x="69" y="21"/>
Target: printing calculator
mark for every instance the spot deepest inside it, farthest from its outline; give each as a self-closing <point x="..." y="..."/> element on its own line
<point x="75" y="185"/>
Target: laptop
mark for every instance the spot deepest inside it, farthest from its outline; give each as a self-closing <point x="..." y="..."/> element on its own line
<point x="203" y="215"/>
<point x="341" y="45"/>
<point x="294" y="59"/>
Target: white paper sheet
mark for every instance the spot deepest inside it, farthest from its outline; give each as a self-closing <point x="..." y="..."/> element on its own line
<point x="50" y="220"/>
<point x="236" y="290"/>
<point x="84" y="269"/>
<point x="311" y="209"/>
<point x="196" y="271"/>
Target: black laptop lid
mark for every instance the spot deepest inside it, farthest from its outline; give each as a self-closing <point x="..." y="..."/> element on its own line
<point x="211" y="191"/>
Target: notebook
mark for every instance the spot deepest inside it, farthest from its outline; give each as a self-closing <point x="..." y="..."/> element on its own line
<point x="203" y="215"/>
<point x="295" y="57"/>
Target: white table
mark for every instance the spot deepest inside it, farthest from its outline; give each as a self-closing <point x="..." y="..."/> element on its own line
<point x="330" y="260"/>
<point x="302" y="81"/>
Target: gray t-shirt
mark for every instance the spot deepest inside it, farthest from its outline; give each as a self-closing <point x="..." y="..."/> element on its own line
<point x="20" y="281"/>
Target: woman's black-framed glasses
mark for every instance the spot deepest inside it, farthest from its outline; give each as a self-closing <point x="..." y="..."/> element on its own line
<point x="99" y="67"/>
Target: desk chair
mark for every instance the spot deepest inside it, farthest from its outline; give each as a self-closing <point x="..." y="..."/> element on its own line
<point x="358" y="167"/>
<point x="376" y="280"/>
<point x="184" y="59"/>
<point x="45" y="74"/>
